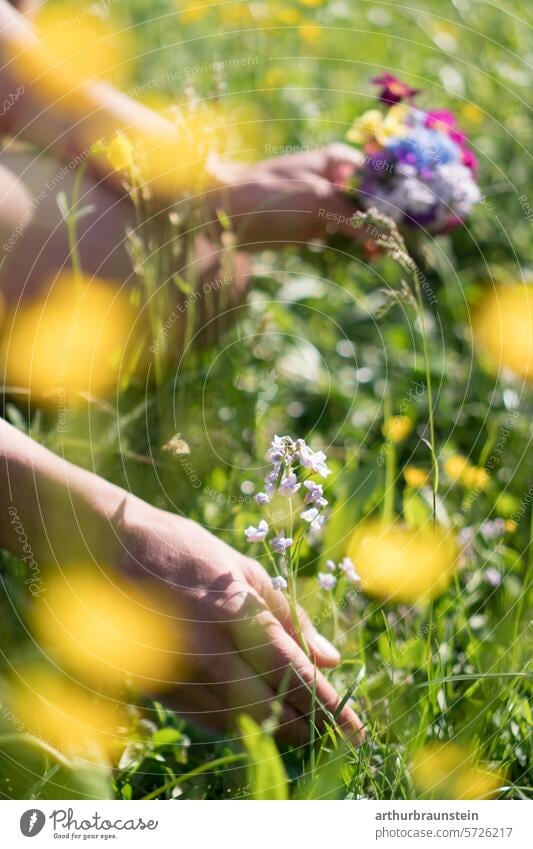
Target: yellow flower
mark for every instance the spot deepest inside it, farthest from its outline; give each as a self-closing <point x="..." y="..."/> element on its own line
<point x="402" y="564"/>
<point x="449" y="771"/>
<point x="69" y="341"/>
<point x="108" y="632"/>
<point x="374" y="125"/>
<point x="71" y="717"/>
<point x="365" y="127"/>
<point x="275" y="77"/>
<point x="455" y="467"/>
<point x="511" y="526"/>
<point x="394" y="124"/>
<point x="279" y="13"/>
<point x="82" y="42"/>
<point x="475" y="477"/>
<point x="472" y="113"/>
<point x="415" y="477"/>
<point x="503" y="329"/>
<point x="460" y="470"/>
<point x="191" y="11"/>
<point x="310" y="32"/>
<point x="121" y="154"/>
<point x="236" y="14"/>
<point x="397" y="428"/>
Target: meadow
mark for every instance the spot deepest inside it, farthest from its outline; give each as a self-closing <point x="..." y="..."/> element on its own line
<point x="347" y="350"/>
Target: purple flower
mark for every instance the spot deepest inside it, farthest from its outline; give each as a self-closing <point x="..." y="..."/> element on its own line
<point x="348" y="568"/>
<point x="465" y="537"/>
<point x="327" y="581"/>
<point x="281" y="450"/>
<point x="331" y="565"/>
<point x="493" y="528"/>
<point x="270" y="483"/>
<point x="393" y="89"/>
<point x="289" y="485"/>
<point x="257" y="534"/>
<point x="281" y="544"/>
<point x="314" y="517"/>
<point x="279" y="583"/>
<point x="493" y="577"/>
<point x="315" y="494"/>
<point x="262" y="498"/>
<point x="314" y="460"/>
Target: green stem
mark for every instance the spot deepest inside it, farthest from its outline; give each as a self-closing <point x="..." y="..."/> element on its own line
<point x="35" y="743"/>
<point x="425" y="347"/>
<point x="71" y="223"/>
<point x="228" y="759"/>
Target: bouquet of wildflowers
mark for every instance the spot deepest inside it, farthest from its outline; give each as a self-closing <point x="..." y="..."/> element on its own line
<point x="418" y="169"/>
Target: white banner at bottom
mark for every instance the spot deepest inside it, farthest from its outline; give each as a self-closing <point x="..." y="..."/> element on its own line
<point x="266" y="825"/>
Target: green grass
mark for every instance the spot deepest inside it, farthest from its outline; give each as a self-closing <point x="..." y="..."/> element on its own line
<point x="456" y="670"/>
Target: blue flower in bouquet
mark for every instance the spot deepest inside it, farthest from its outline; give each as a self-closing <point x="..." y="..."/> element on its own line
<point x="424" y="149"/>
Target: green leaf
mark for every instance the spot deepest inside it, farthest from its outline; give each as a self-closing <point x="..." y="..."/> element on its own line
<point x="167" y="737"/>
<point x="415" y="510"/>
<point x="266" y="773"/>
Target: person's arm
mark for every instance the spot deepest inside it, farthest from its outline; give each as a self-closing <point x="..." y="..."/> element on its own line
<point x="288" y="199"/>
<point x="237" y="633"/>
<point x="57" y="113"/>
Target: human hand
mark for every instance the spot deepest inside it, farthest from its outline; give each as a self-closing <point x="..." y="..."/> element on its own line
<point x="296" y="198"/>
<point x="237" y="647"/>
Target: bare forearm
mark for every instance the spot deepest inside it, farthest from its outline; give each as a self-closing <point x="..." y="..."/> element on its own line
<point x="65" y="512"/>
<point x="48" y="108"/>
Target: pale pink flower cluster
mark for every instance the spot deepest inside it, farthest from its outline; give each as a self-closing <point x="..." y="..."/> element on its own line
<point x="328" y="580"/>
<point x="293" y="462"/>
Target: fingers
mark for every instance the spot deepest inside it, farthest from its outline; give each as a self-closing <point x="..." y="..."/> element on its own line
<point x="268" y="648"/>
<point x="342" y="161"/>
<point x="324" y="653"/>
<point x="242" y="690"/>
<point x="223" y="686"/>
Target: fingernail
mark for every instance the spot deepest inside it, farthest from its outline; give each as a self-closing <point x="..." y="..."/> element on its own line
<point x="324" y="647"/>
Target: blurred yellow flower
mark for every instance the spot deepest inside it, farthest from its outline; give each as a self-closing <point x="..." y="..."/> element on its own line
<point x="106" y="632"/>
<point x="402" y="564"/>
<point x="415" y="477"/>
<point x="503" y="329"/>
<point x="511" y="526"/>
<point x="310" y="32"/>
<point x="397" y="428"/>
<point x="373" y="124"/>
<point x="275" y="77"/>
<point x="472" y="113"/>
<point x="236" y="14"/>
<point x="475" y="477"/>
<point x="280" y="13"/>
<point x="174" y="157"/>
<point x="455" y="467"/>
<point x="69" y="341"/>
<point x="460" y="470"/>
<point x="65" y="714"/>
<point x="121" y="154"/>
<point x="83" y="43"/>
<point x="449" y="771"/>
<point x="191" y="11"/>
<point x="312" y="4"/>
